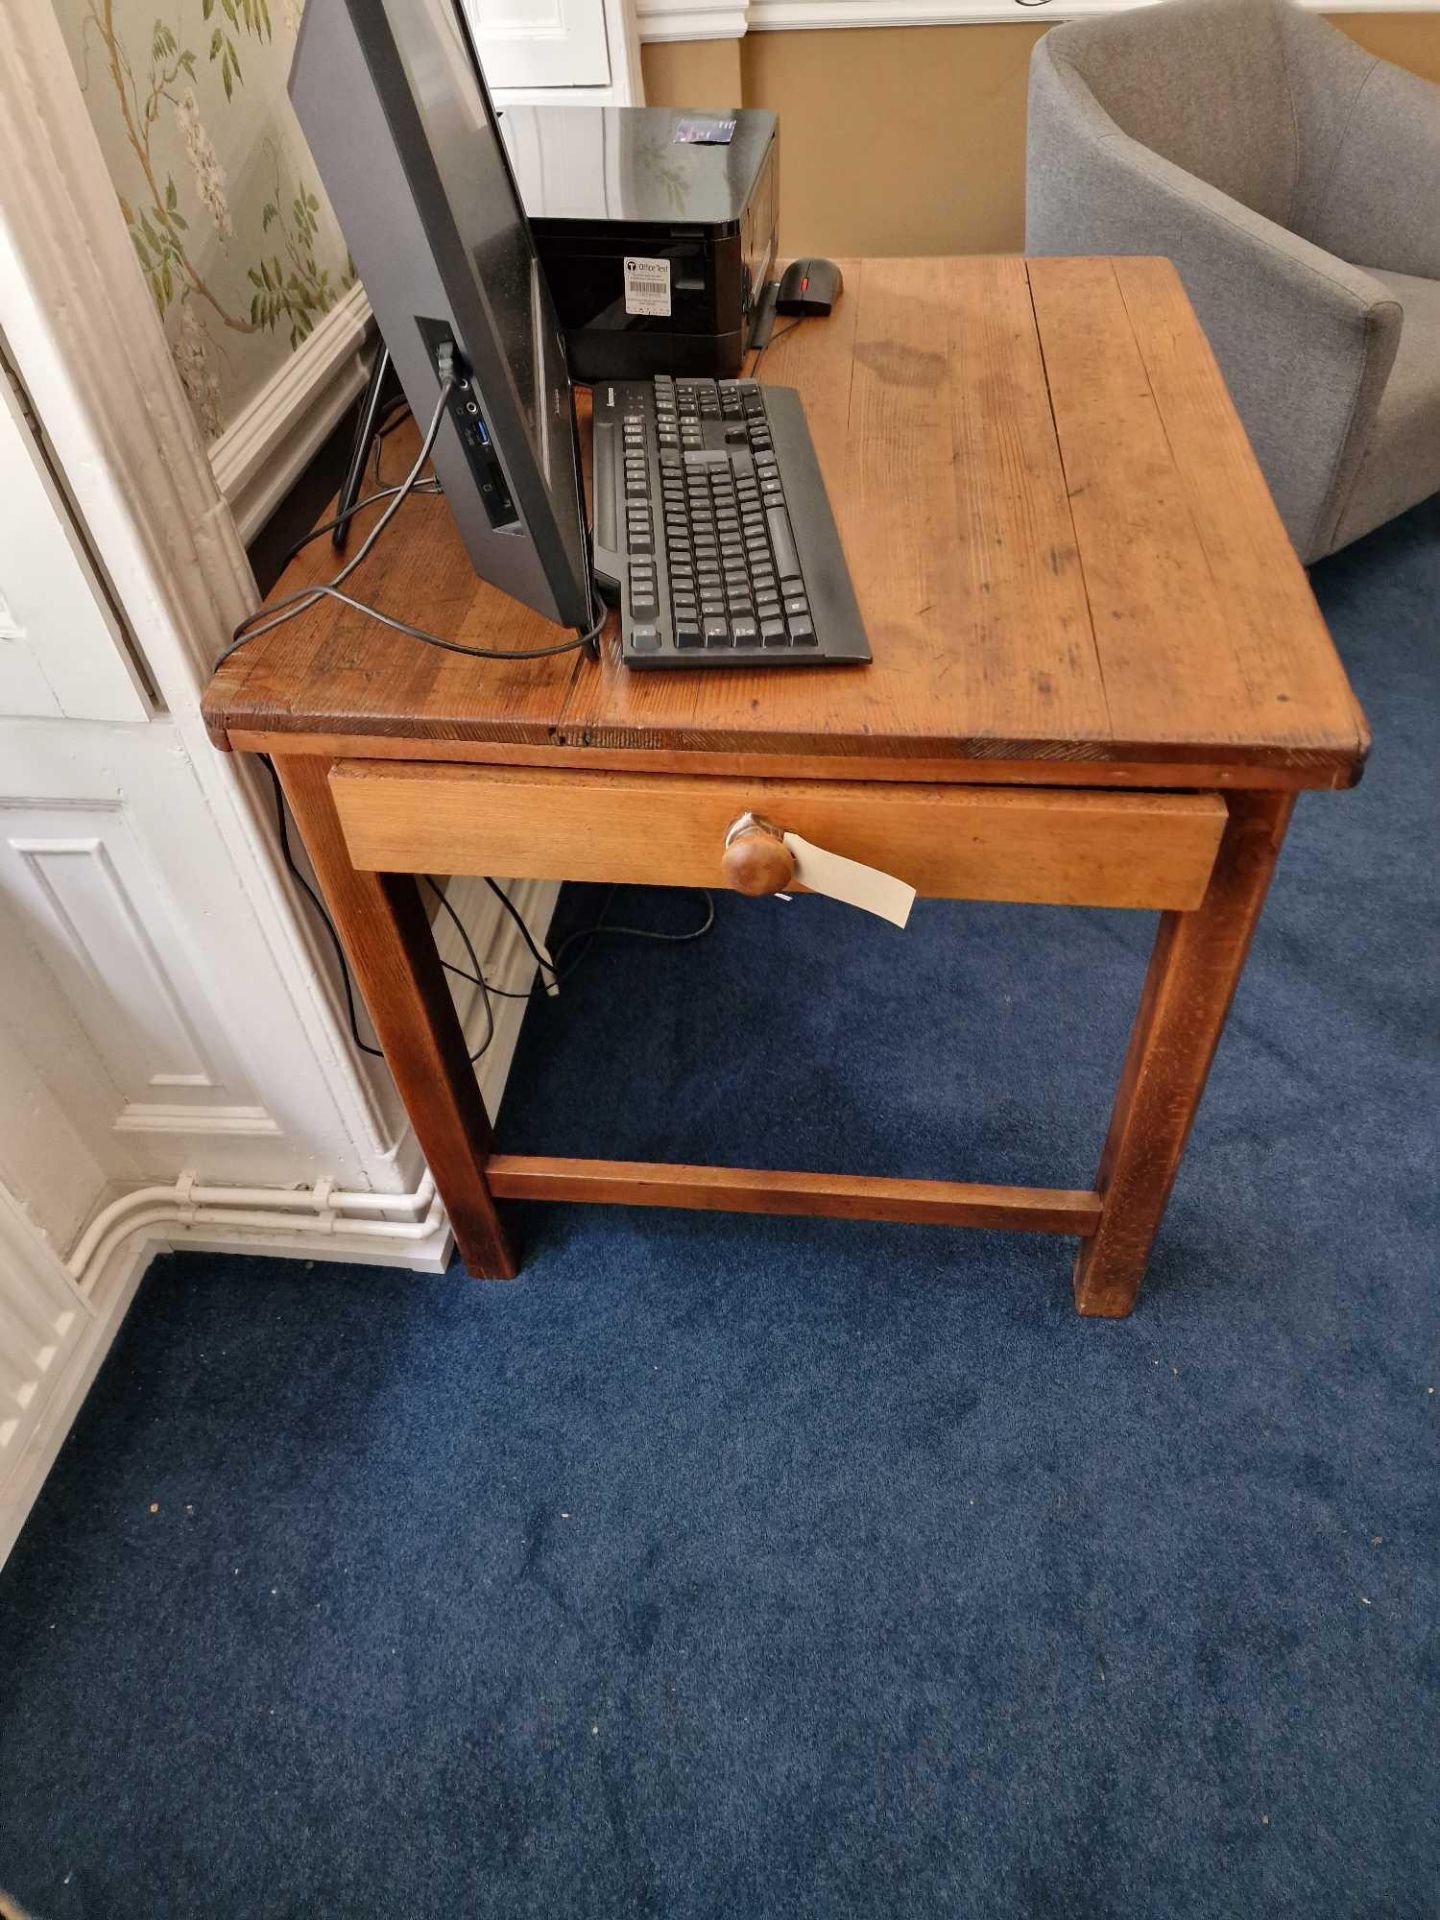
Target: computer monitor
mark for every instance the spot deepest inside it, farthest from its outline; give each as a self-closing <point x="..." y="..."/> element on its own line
<point x="393" y="103"/>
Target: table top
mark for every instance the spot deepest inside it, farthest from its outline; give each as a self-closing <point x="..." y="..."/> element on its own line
<point x="1069" y="567"/>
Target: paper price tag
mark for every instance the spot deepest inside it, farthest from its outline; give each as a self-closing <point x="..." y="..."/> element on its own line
<point x="647" y="286"/>
<point x="858" y="886"/>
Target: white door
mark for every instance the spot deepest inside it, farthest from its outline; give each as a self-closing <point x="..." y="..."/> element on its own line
<point x="62" y="652"/>
<point x="558" y="50"/>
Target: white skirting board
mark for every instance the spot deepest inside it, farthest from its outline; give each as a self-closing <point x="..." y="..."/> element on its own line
<point x="733" y="19"/>
<point x="49" y="1401"/>
<point x="260" y="456"/>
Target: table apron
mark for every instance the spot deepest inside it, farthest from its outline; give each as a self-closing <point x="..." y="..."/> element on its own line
<point x="1053" y="846"/>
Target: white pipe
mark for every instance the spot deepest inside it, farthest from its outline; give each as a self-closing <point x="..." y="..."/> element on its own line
<point x="321" y="1200"/>
<point x="188" y="1214"/>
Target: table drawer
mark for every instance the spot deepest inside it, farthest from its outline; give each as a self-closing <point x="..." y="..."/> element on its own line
<point x="968" y="843"/>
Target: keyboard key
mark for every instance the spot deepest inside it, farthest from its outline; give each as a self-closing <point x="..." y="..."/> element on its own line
<point x="746" y="633"/>
<point x="646" y="609"/>
<point x="689" y="634"/>
<point x="717" y="632"/>
<point x="802" y="631"/>
<point x="644" y="640"/>
<point x="787" y="560"/>
<point x="796" y="605"/>
<point x="773" y="634"/>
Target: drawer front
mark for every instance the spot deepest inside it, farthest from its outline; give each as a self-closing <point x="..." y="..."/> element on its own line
<point x="961" y="843"/>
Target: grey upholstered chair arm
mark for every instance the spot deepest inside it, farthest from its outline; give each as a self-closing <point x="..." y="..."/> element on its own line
<point x="1306" y="341"/>
<point x="1381" y="203"/>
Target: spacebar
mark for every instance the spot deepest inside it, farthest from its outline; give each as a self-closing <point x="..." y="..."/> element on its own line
<point x="787" y="560"/>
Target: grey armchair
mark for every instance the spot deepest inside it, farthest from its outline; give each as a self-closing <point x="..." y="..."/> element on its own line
<point x="1295" y="182"/>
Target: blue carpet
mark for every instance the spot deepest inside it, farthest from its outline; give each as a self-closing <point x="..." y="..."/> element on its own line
<point x="771" y="1568"/>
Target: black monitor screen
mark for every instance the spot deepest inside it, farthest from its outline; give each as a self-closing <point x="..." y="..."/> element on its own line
<point x="469" y="155"/>
<point x="393" y="102"/>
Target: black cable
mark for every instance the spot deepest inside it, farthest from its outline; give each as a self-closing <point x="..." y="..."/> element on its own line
<point x="601" y="926"/>
<point x="477" y="977"/>
<point x="329" y="526"/>
<point x="540" y="959"/>
<point x="394" y="417"/>
<point x="754" y="373"/>
<point x="319" y="906"/>
<point x="266" y="619"/>
<point x="586" y="639"/>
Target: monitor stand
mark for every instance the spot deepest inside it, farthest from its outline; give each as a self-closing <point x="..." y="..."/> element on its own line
<point x="364" y="439"/>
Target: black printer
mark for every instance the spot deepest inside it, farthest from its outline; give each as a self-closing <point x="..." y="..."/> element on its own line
<point x="656" y="227"/>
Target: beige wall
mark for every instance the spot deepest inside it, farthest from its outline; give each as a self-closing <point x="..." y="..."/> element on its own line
<point x="691" y="73"/>
<point x="900" y="140"/>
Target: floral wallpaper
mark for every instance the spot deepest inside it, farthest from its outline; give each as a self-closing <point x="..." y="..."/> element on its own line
<point x="238" y="244"/>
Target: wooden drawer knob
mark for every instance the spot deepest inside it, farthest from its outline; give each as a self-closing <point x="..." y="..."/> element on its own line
<point x="756" y="859"/>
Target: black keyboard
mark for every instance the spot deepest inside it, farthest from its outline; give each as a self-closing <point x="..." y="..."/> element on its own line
<point x="712" y="524"/>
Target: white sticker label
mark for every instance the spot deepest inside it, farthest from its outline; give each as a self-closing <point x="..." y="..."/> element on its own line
<point x="821" y="871"/>
<point x="647" y="287"/>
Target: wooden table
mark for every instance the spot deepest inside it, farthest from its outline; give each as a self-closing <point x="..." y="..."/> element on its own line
<point x="1100" y="678"/>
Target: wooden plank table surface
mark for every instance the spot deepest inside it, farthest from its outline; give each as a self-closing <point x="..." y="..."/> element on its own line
<point x="1068" y="563"/>
<point x="1072" y="576"/>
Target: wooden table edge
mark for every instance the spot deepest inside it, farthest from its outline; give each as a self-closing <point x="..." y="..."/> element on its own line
<point x="1140" y="769"/>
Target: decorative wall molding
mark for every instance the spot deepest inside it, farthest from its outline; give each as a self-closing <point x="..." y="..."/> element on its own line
<point x="697" y="20"/>
<point x="153" y="1116"/>
<point x="263" y="452"/>
<point x="692" y="19"/>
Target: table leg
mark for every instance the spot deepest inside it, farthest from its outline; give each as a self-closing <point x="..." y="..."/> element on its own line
<point x="1194" y="970"/>
<point x="386" y="935"/>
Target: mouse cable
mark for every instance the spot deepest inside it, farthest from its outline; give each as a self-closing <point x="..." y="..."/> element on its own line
<point x="266" y="619"/>
<point x="754" y="373"/>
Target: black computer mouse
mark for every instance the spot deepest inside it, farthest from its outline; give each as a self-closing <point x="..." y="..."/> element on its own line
<point x="809" y="287"/>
